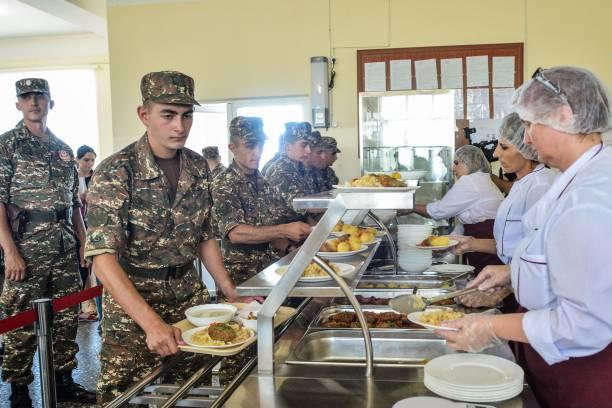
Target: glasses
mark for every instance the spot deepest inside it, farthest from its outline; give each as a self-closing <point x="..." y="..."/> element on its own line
<point x="539" y="76"/>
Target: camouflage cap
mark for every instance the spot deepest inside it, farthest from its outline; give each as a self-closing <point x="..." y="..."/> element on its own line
<point x="249" y="128"/>
<point x="171" y="87"/>
<point x="329" y="143"/>
<point x="211" y="152"/>
<point x="28" y="85"/>
<point x="295" y="131"/>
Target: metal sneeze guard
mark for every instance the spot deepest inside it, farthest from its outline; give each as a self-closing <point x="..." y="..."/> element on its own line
<point x="337" y="205"/>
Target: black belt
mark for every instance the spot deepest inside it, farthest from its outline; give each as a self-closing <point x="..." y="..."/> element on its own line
<point x="48" y="216"/>
<point x="227" y="245"/>
<point x="165" y="273"/>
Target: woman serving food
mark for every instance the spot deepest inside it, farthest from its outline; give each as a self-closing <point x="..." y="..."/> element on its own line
<point x="560" y="272"/>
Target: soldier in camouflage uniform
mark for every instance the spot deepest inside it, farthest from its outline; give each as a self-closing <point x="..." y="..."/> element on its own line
<point x="314" y="165"/>
<point x="327" y="177"/>
<point x="213" y="158"/>
<point x="244" y="208"/>
<point x="281" y="147"/>
<point x="39" y="193"/>
<point x="288" y="173"/>
<point x="148" y="219"/>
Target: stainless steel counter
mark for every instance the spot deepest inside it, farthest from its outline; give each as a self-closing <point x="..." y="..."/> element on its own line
<point x="298" y="386"/>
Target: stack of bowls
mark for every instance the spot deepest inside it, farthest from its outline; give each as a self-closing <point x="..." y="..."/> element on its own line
<point x="410" y="258"/>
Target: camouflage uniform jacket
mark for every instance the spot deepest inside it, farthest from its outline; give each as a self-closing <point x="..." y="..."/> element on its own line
<point x="216" y="171"/>
<point x="266" y="166"/>
<point x="39" y="176"/>
<point x="313" y="181"/>
<point x="239" y="199"/>
<point x="289" y="178"/>
<point x="327" y="179"/>
<point x="130" y="210"/>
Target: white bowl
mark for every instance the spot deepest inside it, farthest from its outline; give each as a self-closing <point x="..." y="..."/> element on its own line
<point x="215" y="313"/>
<point x="251" y="324"/>
<point x="414" y="267"/>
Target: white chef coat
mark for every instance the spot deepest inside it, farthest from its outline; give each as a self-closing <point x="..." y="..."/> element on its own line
<point x="474" y="198"/>
<point x="562" y="271"/>
<point x="508" y="231"/>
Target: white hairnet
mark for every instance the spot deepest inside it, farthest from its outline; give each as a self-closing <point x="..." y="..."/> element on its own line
<point x="473" y="158"/>
<point x="512" y="130"/>
<point x="541" y="99"/>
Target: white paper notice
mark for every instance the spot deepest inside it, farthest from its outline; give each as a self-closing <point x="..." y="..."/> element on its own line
<point x="426" y="74"/>
<point x="451" y="71"/>
<point x="502" y="102"/>
<point x="503" y="72"/>
<point x="486" y="129"/>
<point x="375" y="76"/>
<point x="477" y="71"/>
<point x="401" y="75"/>
<point x="478" y="103"/>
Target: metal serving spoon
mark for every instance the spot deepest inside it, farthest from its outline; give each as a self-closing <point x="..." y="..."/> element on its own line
<point x="414" y="303"/>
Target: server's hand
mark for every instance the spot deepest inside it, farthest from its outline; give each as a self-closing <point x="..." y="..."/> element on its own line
<point x="14" y="266"/>
<point x="163" y="339"/>
<point x="464" y="246"/>
<point x="492" y="276"/>
<point x="475" y="333"/>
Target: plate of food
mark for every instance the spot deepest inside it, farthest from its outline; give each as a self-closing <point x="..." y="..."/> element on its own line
<point x="374" y="182"/>
<point x="432" y="318"/>
<point x="314" y="273"/>
<point x="218" y="335"/>
<point x="362" y="235"/>
<point x="437" y="243"/>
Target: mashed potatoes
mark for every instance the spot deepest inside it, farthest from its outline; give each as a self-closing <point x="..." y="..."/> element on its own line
<point x="435" y="317"/>
<point x="312" y="270"/>
<point x="201" y="338"/>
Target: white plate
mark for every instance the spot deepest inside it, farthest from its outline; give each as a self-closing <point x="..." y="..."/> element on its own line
<point x="331" y="255"/>
<point x="474" y="373"/>
<point x="345" y="270"/>
<point x="187" y="335"/>
<point x="451" y="269"/>
<point x="345" y="189"/>
<point x="415" y="317"/>
<point x="425" y="402"/>
<point x="451" y="243"/>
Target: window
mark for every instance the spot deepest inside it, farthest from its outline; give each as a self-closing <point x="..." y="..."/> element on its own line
<point x="74" y="119"/>
<point x="211" y="122"/>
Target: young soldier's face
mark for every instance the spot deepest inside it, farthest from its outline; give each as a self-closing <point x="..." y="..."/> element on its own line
<point x="247" y="155"/>
<point x="34" y="106"/>
<point x="316" y="160"/>
<point x="330" y="157"/>
<point x="298" y="150"/>
<point x="167" y="126"/>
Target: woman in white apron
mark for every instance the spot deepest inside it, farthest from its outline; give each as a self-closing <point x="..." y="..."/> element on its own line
<point x="561" y="272"/>
<point x="474" y="200"/>
<point x="533" y="180"/>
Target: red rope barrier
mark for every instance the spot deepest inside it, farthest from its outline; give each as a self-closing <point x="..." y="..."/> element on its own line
<point x="29" y="316"/>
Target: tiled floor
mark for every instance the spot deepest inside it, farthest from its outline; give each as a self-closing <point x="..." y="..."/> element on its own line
<point x="86" y="374"/>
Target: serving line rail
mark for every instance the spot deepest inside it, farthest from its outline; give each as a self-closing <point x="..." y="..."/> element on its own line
<point x="337" y="204"/>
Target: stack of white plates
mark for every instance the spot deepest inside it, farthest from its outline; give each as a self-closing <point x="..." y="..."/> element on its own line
<point x="410" y="258"/>
<point x="411" y="234"/>
<point x="474" y="377"/>
<point x="413" y="259"/>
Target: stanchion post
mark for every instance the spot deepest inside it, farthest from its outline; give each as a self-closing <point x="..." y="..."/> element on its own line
<point x="44" y="337"/>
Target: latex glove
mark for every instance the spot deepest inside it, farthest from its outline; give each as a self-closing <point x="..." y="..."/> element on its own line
<point x="475" y="333"/>
<point x="492" y="276"/>
<point x="464" y="246"/>
<point x="484" y="299"/>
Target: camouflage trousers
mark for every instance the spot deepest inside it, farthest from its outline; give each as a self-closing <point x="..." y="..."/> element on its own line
<point x="124" y="357"/>
<point x="48" y="275"/>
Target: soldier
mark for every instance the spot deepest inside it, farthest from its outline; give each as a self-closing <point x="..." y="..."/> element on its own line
<point x="315" y="165"/>
<point x="39" y="219"/>
<point x="244" y="208"/>
<point x="288" y="174"/>
<point x="244" y="205"/>
<point x="213" y="158"/>
<point x="328" y="177"/>
<point x="148" y="219"/>
<point x="281" y="147"/>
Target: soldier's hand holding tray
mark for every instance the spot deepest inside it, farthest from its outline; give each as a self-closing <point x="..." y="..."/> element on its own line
<point x="14" y="266"/>
<point x="297" y="231"/>
<point x="163" y="338"/>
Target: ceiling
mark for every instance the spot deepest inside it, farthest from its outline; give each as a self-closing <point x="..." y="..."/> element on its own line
<point x="26" y="18"/>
